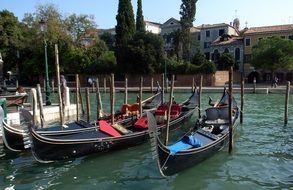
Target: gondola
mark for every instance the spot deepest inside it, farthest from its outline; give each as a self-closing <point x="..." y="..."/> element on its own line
<point x="14" y="99"/>
<point x="16" y="138"/>
<point x="209" y="135"/>
<point x="104" y="138"/>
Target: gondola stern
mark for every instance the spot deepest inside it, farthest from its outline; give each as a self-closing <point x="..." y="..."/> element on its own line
<point x="155" y="141"/>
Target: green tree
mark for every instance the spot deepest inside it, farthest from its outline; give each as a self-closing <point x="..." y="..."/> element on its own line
<point x="145" y="54"/>
<point x="226" y="61"/>
<point x="77" y="25"/>
<point x="187" y="12"/>
<point x="11" y="39"/>
<point x="109" y="39"/>
<point x="198" y="58"/>
<point x="273" y="54"/>
<point x="140" y="25"/>
<point x="125" y="30"/>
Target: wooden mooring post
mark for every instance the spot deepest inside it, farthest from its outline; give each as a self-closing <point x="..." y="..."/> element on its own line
<point x="40" y="102"/>
<point x="192" y="87"/>
<point x="287" y="103"/>
<point x="140" y="96"/>
<point x="77" y="96"/>
<point x="35" y="104"/>
<point x="230" y="109"/>
<point x="99" y="101"/>
<point x="105" y="85"/>
<point x="152" y="85"/>
<point x="126" y="91"/>
<point x="163" y="88"/>
<point x="169" y="110"/>
<point x="242" y="99"/>
<point x="53" y="86"/>
<point x="80" y="98"/>
<point x="61" y="108"/>
<point x="199" y="97"/>
<point x="112" y="98"/>
<point x="254" y="85"/>
<point x="88" y="106"/>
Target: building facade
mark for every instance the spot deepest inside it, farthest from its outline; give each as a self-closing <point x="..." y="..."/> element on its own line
<point x="251" y="38"/>
<point x="211" y="32"/>
<point x="229" y="44"/>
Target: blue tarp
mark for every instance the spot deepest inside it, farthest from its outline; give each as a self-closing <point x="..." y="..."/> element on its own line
<point x="185" y="143"/>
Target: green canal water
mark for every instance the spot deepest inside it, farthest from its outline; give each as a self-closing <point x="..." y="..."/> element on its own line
<point x="262" y="158"/>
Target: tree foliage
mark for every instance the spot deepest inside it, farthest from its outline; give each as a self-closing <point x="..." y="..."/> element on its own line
<point x="226" y="61"/>
<point x="179" y="66"/>
<point x="273" y="54"/>
<point x="140" y="25"/>
<point x="77" y="25"/>
<point x="125" y="30"/>
<point x="187" y="12"/>
<point x="145" y="54"/>
<point x="11" y="38"/>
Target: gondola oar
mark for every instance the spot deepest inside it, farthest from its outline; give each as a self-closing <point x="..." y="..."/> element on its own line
<point x="169" y="110"/>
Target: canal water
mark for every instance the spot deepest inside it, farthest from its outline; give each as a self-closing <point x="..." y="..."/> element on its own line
<point x="262" y="158"/>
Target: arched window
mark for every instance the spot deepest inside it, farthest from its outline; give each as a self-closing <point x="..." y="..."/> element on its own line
<point x="226" y="50"/>
<point x="216" y="55"/>
<point x="237" y="54"/>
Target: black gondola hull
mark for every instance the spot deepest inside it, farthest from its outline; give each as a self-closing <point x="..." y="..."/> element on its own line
<point x="49" y="149"/>
<point x="172" y="164"/>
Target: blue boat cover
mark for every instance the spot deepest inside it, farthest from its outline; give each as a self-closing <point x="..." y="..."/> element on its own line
<point x="185" y="143"/>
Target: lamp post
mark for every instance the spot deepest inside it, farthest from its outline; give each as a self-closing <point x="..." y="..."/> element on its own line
<point x="43" y="28"/>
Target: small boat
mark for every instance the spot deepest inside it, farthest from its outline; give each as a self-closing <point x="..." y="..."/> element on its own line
<point x="16" y="138"/>
<point x="15" y="99"/>
<point x="208" y="136"/>
<point x="104" y="138"/>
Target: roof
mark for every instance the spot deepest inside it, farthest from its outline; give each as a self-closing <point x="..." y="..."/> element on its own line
<point x="153" y="23"/>
<point x="268" y="29"/>
<point x="228" y="40"/>
<point x="206" y="26"/>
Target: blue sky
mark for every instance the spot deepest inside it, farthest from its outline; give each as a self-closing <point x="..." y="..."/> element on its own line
<point x="254" y="12"/>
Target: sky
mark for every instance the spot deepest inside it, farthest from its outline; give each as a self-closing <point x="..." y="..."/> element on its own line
<point x="253" y="12"/>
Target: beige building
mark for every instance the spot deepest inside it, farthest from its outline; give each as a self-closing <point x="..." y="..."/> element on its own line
<point x="251" y="38"/>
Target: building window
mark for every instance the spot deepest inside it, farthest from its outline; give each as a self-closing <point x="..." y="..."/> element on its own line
<point x="247" y="58"/>
<point x="208" y="33"/>
<point x="207" y="44"/>
<point x="216" y="56"/>
<point x="247" y="42"/>
<point x="237" y="54"/>
<point x="226" y="50"/>
<point x="207" y="55"/>
<point x="198" y="37"/>
<point x="290" y="37"/>
<point x="221" y="32"/>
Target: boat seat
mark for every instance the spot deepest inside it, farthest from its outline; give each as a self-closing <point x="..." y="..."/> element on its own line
<point x="217" y="122"/>
<point x="215" y="113"/>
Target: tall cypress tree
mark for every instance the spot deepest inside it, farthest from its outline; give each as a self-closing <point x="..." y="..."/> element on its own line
<point x="125" y="30"/>
<point x="140" y="25"/>
<point x="187" y="12"/>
